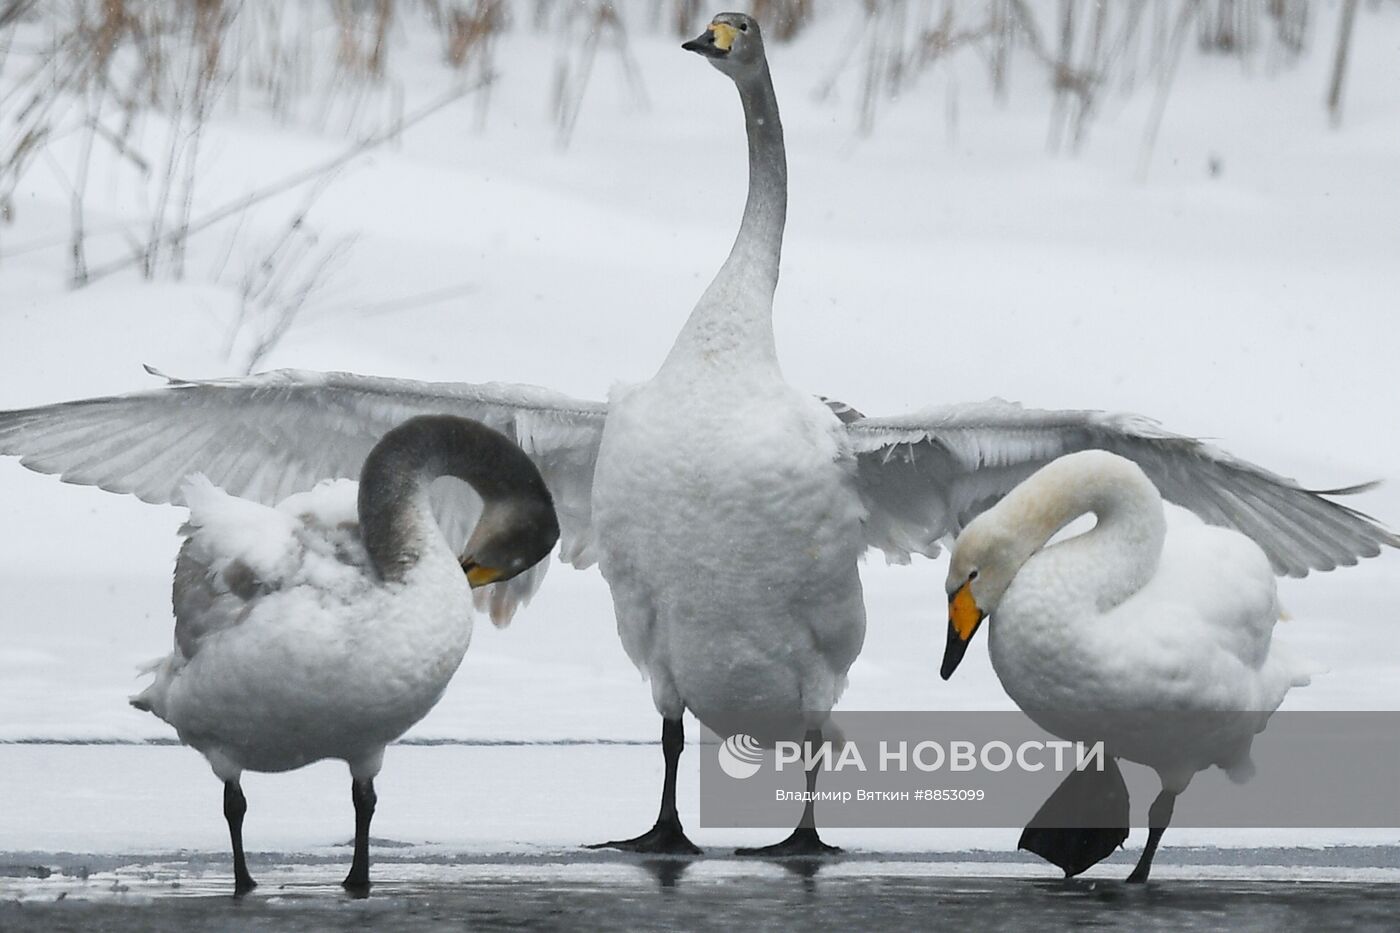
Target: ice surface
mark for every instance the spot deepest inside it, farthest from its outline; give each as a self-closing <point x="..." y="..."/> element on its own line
<point x="486" y="802"/>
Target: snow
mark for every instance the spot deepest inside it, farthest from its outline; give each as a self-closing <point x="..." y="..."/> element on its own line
<point x="480" y="801"/>
<point x="925" y="264"/>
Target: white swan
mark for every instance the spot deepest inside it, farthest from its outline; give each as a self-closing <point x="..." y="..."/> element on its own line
<point x="740" y="467"/>
<point x="327" y="626"/>
<point x="1139" y="632"/>
<point x="731" y="554"/>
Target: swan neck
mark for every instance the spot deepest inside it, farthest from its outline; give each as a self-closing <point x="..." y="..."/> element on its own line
<point x="396" y="519"/>
<point x="1120" y="554"/>
<point x="733" y="320"/>
<point x="760" y="239"/>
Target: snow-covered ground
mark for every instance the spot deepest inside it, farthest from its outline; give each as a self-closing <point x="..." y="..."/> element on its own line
<point x="511" y="802"/>
<point x="924" y="264"/>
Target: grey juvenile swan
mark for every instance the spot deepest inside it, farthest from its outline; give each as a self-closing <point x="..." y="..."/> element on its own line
<point x="726" y="509"/>
<point x="327" y="626"/>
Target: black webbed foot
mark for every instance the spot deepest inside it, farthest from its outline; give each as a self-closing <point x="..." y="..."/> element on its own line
<point x="665" y="838"/>
<point x="803" y="842"/>
<point x="1094" y="799"/>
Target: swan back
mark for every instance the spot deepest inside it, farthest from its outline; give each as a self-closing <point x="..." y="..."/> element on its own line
<point x="237" y="552"/>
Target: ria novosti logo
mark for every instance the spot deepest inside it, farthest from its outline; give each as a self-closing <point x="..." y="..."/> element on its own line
<point x="740" y="756"/>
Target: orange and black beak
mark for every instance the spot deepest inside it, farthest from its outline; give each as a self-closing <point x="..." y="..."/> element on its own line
<point x="714" y="42"/>
<point x="964" y="618"/>
<point x="479" y="575"/>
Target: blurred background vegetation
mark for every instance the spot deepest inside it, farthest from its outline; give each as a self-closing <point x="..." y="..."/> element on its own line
<point x="140" y="79"/>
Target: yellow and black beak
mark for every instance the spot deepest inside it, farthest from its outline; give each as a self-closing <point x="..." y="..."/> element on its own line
<point x="479" y="575"/>
<point x="964" y="618"/>
<point x="715" y="42"/>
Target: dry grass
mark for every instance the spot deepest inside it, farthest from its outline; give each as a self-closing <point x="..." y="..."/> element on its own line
<point x="468" y="29"/>
<point x="141" y="78"/>
<point x="101" y="65"/>
<point x="363" y="30"/>
<point x="1083" y="48"/>
<point x="275" y="287"/>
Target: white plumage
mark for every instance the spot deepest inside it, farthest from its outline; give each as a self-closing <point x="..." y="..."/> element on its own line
<point x="732" y="555"/>
<point x="1136" y="632"/>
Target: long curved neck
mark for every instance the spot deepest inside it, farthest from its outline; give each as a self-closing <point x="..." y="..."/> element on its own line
<point x="1120" y="553"/>
<point x="733" y="322"/>
<point x="396" y="521"/>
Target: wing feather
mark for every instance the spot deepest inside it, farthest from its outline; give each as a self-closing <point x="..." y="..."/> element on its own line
<point x="924" y="476"/>
<point x="267" y="436"/>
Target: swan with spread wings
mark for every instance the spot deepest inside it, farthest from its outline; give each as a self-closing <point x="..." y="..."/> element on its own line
<point x="726" y="509"/>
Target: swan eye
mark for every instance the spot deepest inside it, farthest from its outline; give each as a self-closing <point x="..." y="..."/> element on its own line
<point x="972" y="576"/>
<point x="743" y="27"/>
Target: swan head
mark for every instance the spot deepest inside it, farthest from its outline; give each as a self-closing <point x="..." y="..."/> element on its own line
<point x="510" y="538"/>
<point x="983" y="564"/>
<point x="733" y="44"/>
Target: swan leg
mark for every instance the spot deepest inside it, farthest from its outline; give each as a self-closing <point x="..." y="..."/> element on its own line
<point x="235" y="806"/>
<point x="1088" y="798"/>
<point x="1158" y="816"/>
<point x="362" y="793"/>
<point x="667" y="836"/>
<point x="804" y="840"/>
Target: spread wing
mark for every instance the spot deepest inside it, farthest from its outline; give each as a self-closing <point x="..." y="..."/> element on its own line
<point x="267" y="436"/>
<point x="924" y="476"/>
